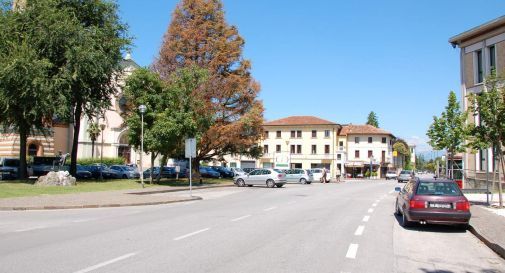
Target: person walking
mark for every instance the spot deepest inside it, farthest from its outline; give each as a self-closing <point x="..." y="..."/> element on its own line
<point x="338" y="174"/>
<point x="324" y="176"/>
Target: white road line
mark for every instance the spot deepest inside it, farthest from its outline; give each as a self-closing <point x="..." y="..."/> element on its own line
<point x="81" y="220"/>
<point x="366" y="218"/>
<point x="291" y="203"/>
<point x="370" y="210"/>
<point x="390" y="192"/>
<point x="190" y="234"/>
<point x="240" y="218"/>
<point x="28" y="229"/>
<point x="374" y="205"/>
<point x="270" y="208"/>
<point x="91" y="268"/>
<point x="351" y="251"/>
<point x="359" y="230"/>
<point x="377" y="201"/>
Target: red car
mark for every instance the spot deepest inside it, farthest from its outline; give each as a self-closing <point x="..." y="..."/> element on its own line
<point x="433" y="201"/>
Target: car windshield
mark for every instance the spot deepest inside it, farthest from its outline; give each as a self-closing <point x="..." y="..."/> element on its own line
<point x="239" y="170"/>
<point x="438" y="188"/>
<point x="405" y="172"/>
<point x="11" y="162"/>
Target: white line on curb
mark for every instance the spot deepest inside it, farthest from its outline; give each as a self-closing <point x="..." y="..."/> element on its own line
<point x="351" y="251"/>
<point x="359" y="230"/>
<point x="270" y="208"/>
<point x="91" y="268"/>
<point x="190" y="234"/>
<point x="370" y="210"/>
<point x="366" y="218"/>
<point x="240" y="218"/>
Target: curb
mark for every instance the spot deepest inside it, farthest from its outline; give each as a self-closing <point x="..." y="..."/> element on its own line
<point x="99" y="206"/>
<point x="180" y="189"/>
<point x="495" y="247"/>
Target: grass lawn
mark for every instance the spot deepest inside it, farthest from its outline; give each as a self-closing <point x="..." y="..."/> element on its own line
<point x="16" y="188"/>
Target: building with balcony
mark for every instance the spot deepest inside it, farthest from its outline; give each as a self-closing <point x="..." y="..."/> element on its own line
<point x="482" y="50"/>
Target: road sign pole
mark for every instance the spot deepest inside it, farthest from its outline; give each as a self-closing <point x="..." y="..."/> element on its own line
<point x="190" y="180"/>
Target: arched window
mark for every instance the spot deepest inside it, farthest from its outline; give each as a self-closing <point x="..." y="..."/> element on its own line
<point x="32" y="149"/>
<point x="124" y="149"/>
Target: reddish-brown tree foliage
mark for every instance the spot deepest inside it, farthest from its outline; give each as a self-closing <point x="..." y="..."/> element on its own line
<point x="199" y="35"/>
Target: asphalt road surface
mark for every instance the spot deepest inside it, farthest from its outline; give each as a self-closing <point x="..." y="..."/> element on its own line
<point x="345" y="227"/>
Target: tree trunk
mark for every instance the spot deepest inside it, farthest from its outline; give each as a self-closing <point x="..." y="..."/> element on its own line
<point x="92" y="148"/>
<point x="195" y="162"/>
<point x="23" y="135"/>
<point x="152" y="168"/>
<point x="75" y="140"/>
<point x="500" y="190"/>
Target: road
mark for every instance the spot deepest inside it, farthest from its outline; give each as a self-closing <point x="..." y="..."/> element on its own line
<point x="346" y="227"/>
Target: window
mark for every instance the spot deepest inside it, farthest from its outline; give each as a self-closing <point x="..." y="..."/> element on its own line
<point x="479" y="71"/>
<point x="369" y="139"/>
<point x="492" y="58"/>
<point x="356" y="154"/>
<point x="370" y="153"/>
<point x="383" y="158"/>
<point x="314" y="150"/>
<point x="326" y="133"/>
<point x="339" y="157"/>
<point x="341" y="143"/>
<point x="298" y="149"/>
<point x="384" y="140"/>
<point x="265" y="134"/>
<point x="314" y="133"/>
<point x="482" y="160"/>
<point x="293" y="134"/>
<point x="292" y="149"/>
<point x="265" y="149"/>
<point x="278" y="148"/>
<point x="32" y="149"/>
<point x="278" y="134"/>
<point x="326" y="149"/>
<point x="356" y="140"/>
<point x="299" y="134"/>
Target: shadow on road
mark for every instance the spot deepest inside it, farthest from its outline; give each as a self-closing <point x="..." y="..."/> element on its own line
<point x="431" y="228"/>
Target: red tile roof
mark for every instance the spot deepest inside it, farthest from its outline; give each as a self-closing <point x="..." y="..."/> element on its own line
<point x="362" y="130"/>
<point x="299" y="120"/>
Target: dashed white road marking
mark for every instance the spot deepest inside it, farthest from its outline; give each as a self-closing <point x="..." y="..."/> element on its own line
<point x="370" y="210"/>
<point x="30" y="228"/>
<point x="352" y="251"/>
<point x="81" y="220"/>
<point x="366" y="218"/>
<point x="377" y="201"/>
<point x="359" y="230"/>
<point x="190" y="234"/>
<point x="374" y="205"/>
<point x="91" y="268"/>
<point x="390" y="192"/>
<point x="270" y="208"/>
<point x="291" y="203"/>
<point x="240" y="218"/>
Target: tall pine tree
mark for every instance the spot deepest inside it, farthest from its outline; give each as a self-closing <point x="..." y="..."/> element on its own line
<point x="372" y="119"/>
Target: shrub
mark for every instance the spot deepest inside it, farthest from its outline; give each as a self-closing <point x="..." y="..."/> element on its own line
<point x="106" y="160"/>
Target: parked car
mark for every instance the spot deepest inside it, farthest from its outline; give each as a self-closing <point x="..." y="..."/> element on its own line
<point x="43" y="164"/>
<point x="8" y="168"/>
<point x="83" y="172"/>
<point x="209" y="172"/>
<point x="391" y="175"/>
<point x="125" y="171"/>
<point x="299" y="176"/>
<point x="405" y="176"/>
<point x="432" y="201"/>
<point x="318" y="174"/>
<point x="224" y="172"/>
<point x="268" y="177"/>
<point x="237" y="171"/>
<point x="166" y="172"/>
<point x="103" y="170"/>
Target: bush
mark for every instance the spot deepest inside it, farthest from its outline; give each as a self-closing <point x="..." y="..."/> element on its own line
<point x="106" y="160"/>
<point x="367" y="173"/>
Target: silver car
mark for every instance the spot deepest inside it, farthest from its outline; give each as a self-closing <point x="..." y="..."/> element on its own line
<point x="405" y="176"/>
<point x="237" y="171"/>
<point x="268" y="177"/>
<point x="299" y="176"/>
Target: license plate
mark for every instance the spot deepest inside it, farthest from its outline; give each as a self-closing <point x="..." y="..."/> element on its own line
<point x="440" y="205"/>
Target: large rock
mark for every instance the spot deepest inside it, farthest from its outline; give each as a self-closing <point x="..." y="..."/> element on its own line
<point x="61" y="178"/>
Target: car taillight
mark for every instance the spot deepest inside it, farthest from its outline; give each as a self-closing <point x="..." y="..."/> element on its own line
<point x="279" y="176"/>
<point x="415" y="204"/>
<point x="463" y="205"/>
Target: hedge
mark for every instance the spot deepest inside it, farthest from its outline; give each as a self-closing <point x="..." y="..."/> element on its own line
<point x="106" y="160"/>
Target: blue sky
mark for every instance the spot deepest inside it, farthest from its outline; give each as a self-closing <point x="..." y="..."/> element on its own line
<point x="339" y="60"/>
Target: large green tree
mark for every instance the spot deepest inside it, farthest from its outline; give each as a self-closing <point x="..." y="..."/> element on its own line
<point x="448" y="132"/>
<point x="372" y="119"/>
<point x="198" y="35"/>
<point x="489" y="106"/>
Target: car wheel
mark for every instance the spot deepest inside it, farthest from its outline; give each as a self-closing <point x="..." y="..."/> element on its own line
<point x="303" y="181"/>
<point x="124" y="176"/>
<point x="270" y="183"/>
<point x="405" y="221"/>
<point x="309" y="183"/>
<point x="464" y="226"/>
<point x="279" y="185"/>
<point x="240" y="182"/>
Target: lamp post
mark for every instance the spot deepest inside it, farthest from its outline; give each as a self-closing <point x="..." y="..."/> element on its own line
<point x="142" y="109"/>
<point x="289" y="152"/>
<point x="102" y="127"/>
<point x="371" y="168"/>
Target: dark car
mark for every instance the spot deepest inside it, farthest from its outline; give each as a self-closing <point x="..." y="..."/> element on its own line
<point x="106" y="172"/>
<point x="43" y="164"/>
<point x="9" y="168"/>
<point x="208" y="172"/>
<point x="83" y="173"/>
<point x="224" y="172"/>
<point x="166" y="172"/>
<point x="433" y="201"/>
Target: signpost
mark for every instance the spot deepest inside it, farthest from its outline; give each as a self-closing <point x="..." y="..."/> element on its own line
<point x="190" y="152"/>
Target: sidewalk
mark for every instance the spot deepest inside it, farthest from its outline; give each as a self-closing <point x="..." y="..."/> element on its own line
<point x="122" y="198"/>
<point x="488" y="223"/>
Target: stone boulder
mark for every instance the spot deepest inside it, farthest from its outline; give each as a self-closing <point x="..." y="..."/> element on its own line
<point x="61" y="178"/>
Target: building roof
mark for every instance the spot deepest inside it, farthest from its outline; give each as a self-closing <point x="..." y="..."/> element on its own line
<point x="478" y="30"/>
<point x="299" y="120"/>
<point x="128" y="62"/>
<point x="362" y="130"/>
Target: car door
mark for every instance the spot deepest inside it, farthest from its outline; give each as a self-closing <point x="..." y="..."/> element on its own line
<point x="290" y="176"/>
<point x="263" y="177"/>
<point x="251" y="177"/>
<point x="405" y="196"/>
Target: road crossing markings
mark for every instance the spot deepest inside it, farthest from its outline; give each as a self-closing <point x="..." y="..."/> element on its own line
<point x="91" y="268"/>
<point x="370" y="210"/>
<point x="366" y="218"/>
<point x="351" y="251"/>
<point x="270" y="208"/>
<point x="240" y="218"/>
<point x="359" y="231"/>
<point x="190" y="234"/>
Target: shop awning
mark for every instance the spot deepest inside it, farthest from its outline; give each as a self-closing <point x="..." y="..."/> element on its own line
<point x="354" y="164"/>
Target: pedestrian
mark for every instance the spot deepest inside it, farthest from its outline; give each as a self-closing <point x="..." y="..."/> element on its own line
<point x="338" y="173"/>
<point x="324" y="176"/>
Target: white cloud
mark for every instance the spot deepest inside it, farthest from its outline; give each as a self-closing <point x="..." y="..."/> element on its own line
<point x="421" y="143"/>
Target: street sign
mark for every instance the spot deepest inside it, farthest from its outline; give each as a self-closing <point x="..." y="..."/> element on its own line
<point x="190" y="151"/>
<point x="395" y="153"/>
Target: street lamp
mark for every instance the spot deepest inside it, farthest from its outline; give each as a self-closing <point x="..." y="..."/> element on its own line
<point x="289" y="152"/>
<point x="142" y="109"/>
<point x="371" y="168"/>
<point x="102" y="127"/>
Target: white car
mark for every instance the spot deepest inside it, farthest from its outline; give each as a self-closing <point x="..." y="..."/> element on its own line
<point x="268" y="177"/>
<point x="299" y="176"/>
<point x="391" y="175"/>
<point x="317" y="173"/>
